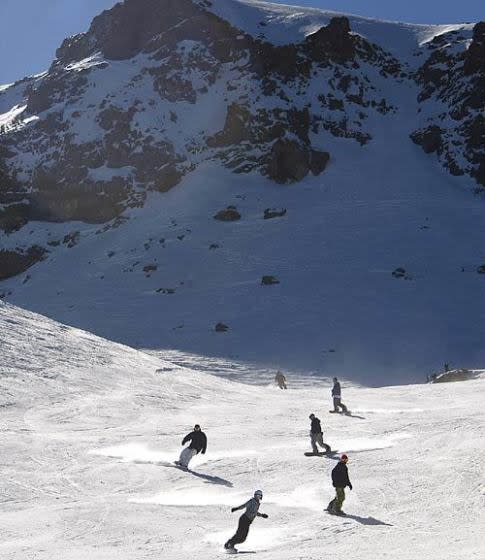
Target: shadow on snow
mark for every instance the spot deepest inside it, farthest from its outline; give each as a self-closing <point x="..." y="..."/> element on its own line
<point x="207" y="477"/>
<point x="367" y="520"/>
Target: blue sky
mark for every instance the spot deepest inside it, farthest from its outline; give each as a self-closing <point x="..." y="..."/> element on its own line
<point x="33" y="29"/>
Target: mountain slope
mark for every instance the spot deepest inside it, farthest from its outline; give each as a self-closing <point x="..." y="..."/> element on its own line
<point x="115" y="161"/>
<point x="90" y="429"/>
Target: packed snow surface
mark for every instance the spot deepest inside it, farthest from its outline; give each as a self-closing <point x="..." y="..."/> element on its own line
<point x="90" y="429"/>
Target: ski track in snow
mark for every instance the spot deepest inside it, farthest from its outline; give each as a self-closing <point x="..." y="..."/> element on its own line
<point x="90" y="428"/>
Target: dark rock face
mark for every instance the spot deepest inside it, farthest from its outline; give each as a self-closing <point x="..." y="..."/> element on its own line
<point x="430" y="139"/>
<point x="456" y="78"/>
<point x="288" y="162"/>
<point x="16" y="262"/>
<point x="13" y="217"/>
<point x="235" y="129"/>
<point x="318" y="161"/>
<point x="333" y="41"/>
<point x="230" y="214"/>
<point x="270" y="213"/>
<point x="399" y="272"/>
<point x="269" y="280"/>
<point x="77" y="203"/>
<point x="475" y="56"/>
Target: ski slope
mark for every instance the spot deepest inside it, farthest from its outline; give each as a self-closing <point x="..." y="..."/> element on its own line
<point x="90" y="428"/>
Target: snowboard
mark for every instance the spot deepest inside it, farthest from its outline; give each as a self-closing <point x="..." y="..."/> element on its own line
<point x="319" y="454"/>
<point x="341" y="514"/>
<point x="348" y="413"/>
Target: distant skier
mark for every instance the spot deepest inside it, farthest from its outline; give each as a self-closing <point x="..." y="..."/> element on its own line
<point x="316" y="435"/>
<point x="340" y="480"/>
<point x="252" y="511"/>
<point x="198" y="443"/>
<point x="337" y="397"/>
<point x="280" y="380"/>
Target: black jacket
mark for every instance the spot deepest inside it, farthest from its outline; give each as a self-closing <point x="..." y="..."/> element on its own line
<point x="340" y="476"/>
<point x="336" y="391"/>
<point x="198" y="441"/>
<point x="316" y="426"/>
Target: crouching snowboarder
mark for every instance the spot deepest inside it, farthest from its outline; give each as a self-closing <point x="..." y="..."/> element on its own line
<point x="198" y="443"/>
<point x="252" y="511"/>
<point x="340" y="480"/>
<point x="337" y="397"/>
<point x="316" y="435"/>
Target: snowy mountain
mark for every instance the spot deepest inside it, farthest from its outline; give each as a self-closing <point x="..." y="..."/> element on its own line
<point x="342" y="157"/>
<point x="90" y="429"/>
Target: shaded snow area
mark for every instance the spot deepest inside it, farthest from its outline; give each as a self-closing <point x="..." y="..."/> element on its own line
<point x="337" y="309"/>
<point x="90" y="428"/>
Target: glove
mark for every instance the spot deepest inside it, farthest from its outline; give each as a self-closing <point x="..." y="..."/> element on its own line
<point x="264" y="515"/>
<point x="350" y="486"/>
<point x="233" y="510"/>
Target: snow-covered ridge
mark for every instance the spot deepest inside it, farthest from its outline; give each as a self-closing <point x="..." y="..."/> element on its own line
<point x="282" y="24"/>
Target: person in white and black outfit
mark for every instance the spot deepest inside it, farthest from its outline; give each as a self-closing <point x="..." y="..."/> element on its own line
<point x="198" y="444"/>
<point x="252" y="511"/>
<point x="337" y="397"/>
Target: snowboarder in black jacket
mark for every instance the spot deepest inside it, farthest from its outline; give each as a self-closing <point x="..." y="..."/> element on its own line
<point x="316" y="435"/>
<point x="337" y="397"/>
<point x="198" y="444"/>
<point x="340" y="480"/>
<point x="252" y="511"/>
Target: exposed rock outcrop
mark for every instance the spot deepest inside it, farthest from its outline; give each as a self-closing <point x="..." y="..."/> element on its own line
<point x="269" y="280"/>
<point x="290" y="162"/>
<point x="18" y="261"/>
<point x="270" y="213"/>
<point x="229" y="214"/>
<point x="454" y="76"/>
<point x="475" y="55"/>
<point x="430" y="139"/>
<point x="332" y="42"/>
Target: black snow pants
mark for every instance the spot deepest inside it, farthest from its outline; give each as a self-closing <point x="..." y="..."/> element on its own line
<point x="242" y="531"/>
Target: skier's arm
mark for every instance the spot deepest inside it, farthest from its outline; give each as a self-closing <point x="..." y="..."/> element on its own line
<point x="242" y="506"/>
<point x="187" y="438"/>
<point x="205" y="444"/>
